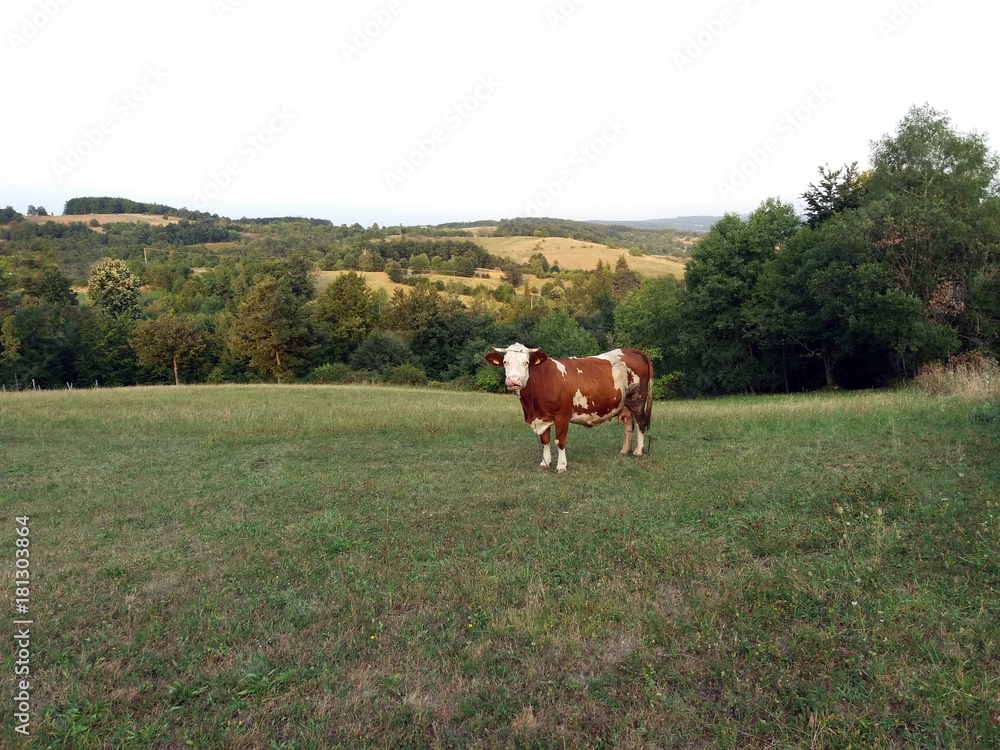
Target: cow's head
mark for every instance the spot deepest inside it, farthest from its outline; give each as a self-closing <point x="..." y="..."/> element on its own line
<point x="516" y="359"/>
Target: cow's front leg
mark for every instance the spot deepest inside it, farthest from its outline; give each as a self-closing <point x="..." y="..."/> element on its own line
<point x="546" y="437"/>
<point x="562" y="429"/>
<point x="542" y="428"/>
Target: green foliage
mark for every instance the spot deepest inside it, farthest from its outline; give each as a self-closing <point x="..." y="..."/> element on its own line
<point x="420" y="263"/>
<point x="106" y="205"/>
<point x="405" y="374"/>
<point x="336" y="372"/>
<point x="104" y="355"/>
<point x="558" y="335"/>
<point x="650" y="319"/>
<point x="394" y="271"/>
<point x="168" y="341"/>
<point x="272" y="330"/>
<point x="382" y="351"/>
<point x="345" y="312"/>
<point x="838" y="191"/>
<point x="113" y="289"/>
<point x="722" y="346"/>
<point x="667" y="386"/>
<point x="490" y="379"/>
<point x="987" y="412"/>
<point x="654" y="241"/>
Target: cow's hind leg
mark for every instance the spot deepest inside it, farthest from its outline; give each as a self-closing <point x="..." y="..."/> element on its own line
<point x="626" y="419"/>
<point x="637" y="416"/>
<point x="641" y="426"/>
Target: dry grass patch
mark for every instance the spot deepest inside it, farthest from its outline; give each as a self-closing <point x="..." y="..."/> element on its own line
<point x="151" y="219"/>
<point x="570" y="254"/>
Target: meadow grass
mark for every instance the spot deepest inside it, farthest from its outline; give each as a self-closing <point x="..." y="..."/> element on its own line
<point x="348" y="566"/>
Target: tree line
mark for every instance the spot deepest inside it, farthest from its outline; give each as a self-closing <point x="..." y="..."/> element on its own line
<point x="889" y="269"/>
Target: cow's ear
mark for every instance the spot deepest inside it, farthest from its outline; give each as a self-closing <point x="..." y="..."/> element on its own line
<point x="495" y="359"/>
<point x="537" y="358"/>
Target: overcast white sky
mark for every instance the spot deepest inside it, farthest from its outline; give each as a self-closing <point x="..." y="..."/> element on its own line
<point x="426" y="111"/>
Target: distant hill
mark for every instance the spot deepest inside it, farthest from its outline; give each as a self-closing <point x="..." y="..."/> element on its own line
<point x="667" y="241"/>
<point x="680" y="223"/>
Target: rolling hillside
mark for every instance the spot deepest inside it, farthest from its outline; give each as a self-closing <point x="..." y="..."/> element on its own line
<point x="571" y="254"/>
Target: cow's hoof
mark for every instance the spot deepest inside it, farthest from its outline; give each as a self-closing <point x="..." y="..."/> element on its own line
<point x="623" y="452"/>
<point x="560" y="471"/>
<point x="543" y="465"/>
<point x="637" y="454"/>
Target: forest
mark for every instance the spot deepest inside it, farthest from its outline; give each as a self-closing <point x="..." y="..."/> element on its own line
<point x="889" y="269"/>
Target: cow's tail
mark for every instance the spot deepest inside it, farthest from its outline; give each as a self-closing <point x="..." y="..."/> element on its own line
<point x="648" y="409"/>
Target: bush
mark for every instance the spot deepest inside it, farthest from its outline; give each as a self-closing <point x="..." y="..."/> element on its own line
<point x="406" y="374"/>
<point x="667" y="386"/>
<point x="970" y="376"/>
<point x="382" y="351"/>
<point x="490" y="379"/>
<point x="336" y="372"/>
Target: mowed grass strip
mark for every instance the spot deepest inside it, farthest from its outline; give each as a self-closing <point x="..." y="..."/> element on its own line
<point x="314" y="567"/>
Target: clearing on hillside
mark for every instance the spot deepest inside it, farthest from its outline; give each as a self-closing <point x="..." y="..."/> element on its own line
<point x="152" y="219"/>
<point x="570" y="254"/>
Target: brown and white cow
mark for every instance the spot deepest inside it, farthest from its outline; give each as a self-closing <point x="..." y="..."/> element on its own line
<point x="579" y="390"/>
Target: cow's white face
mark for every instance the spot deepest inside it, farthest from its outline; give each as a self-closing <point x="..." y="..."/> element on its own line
<point x="515" y="361"/>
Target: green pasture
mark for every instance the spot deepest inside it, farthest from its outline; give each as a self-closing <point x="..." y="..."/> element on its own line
<point x="320" y="567"/>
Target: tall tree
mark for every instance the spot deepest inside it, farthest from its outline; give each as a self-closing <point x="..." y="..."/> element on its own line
<point x="838" y="190"/>
<point x="113" y="289"/>
<point x="345" y="312"/>
<point x="935" y="212"/>
<point x="272" y="329"/>
<point x="722" y="346"/>
<point x="168" y="340"/>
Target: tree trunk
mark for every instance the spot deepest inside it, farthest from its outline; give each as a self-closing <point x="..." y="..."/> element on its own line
<point x="177" y="380"/>
<point x="784" y="368"/>
<point x="277" y="373"/>
<point x="831" y="380"/>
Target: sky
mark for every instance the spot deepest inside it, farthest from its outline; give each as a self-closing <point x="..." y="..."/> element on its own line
<point x="429" y="111"/>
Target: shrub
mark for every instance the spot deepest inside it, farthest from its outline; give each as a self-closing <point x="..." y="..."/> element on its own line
<point x="406" y="374"/>
<point x="394" y="271"/>
<point x="970" y="376"/>
<point x="490" y="379"/>
<point x="382" y="351"/>
<point x="336" y="372"/>
<point x="667" y="386"/>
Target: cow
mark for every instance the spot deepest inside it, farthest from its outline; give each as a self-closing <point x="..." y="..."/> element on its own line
<point x="579" y="390"/>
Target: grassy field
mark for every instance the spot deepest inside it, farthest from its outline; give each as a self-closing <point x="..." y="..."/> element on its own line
<point x="379" y="280"/>
<point x="318" y="567"/>
<point x="577" y="254"/>
<point x="151" y="219"/>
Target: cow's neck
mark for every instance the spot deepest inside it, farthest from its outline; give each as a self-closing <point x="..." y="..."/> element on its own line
<point x="527" y="397"/>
